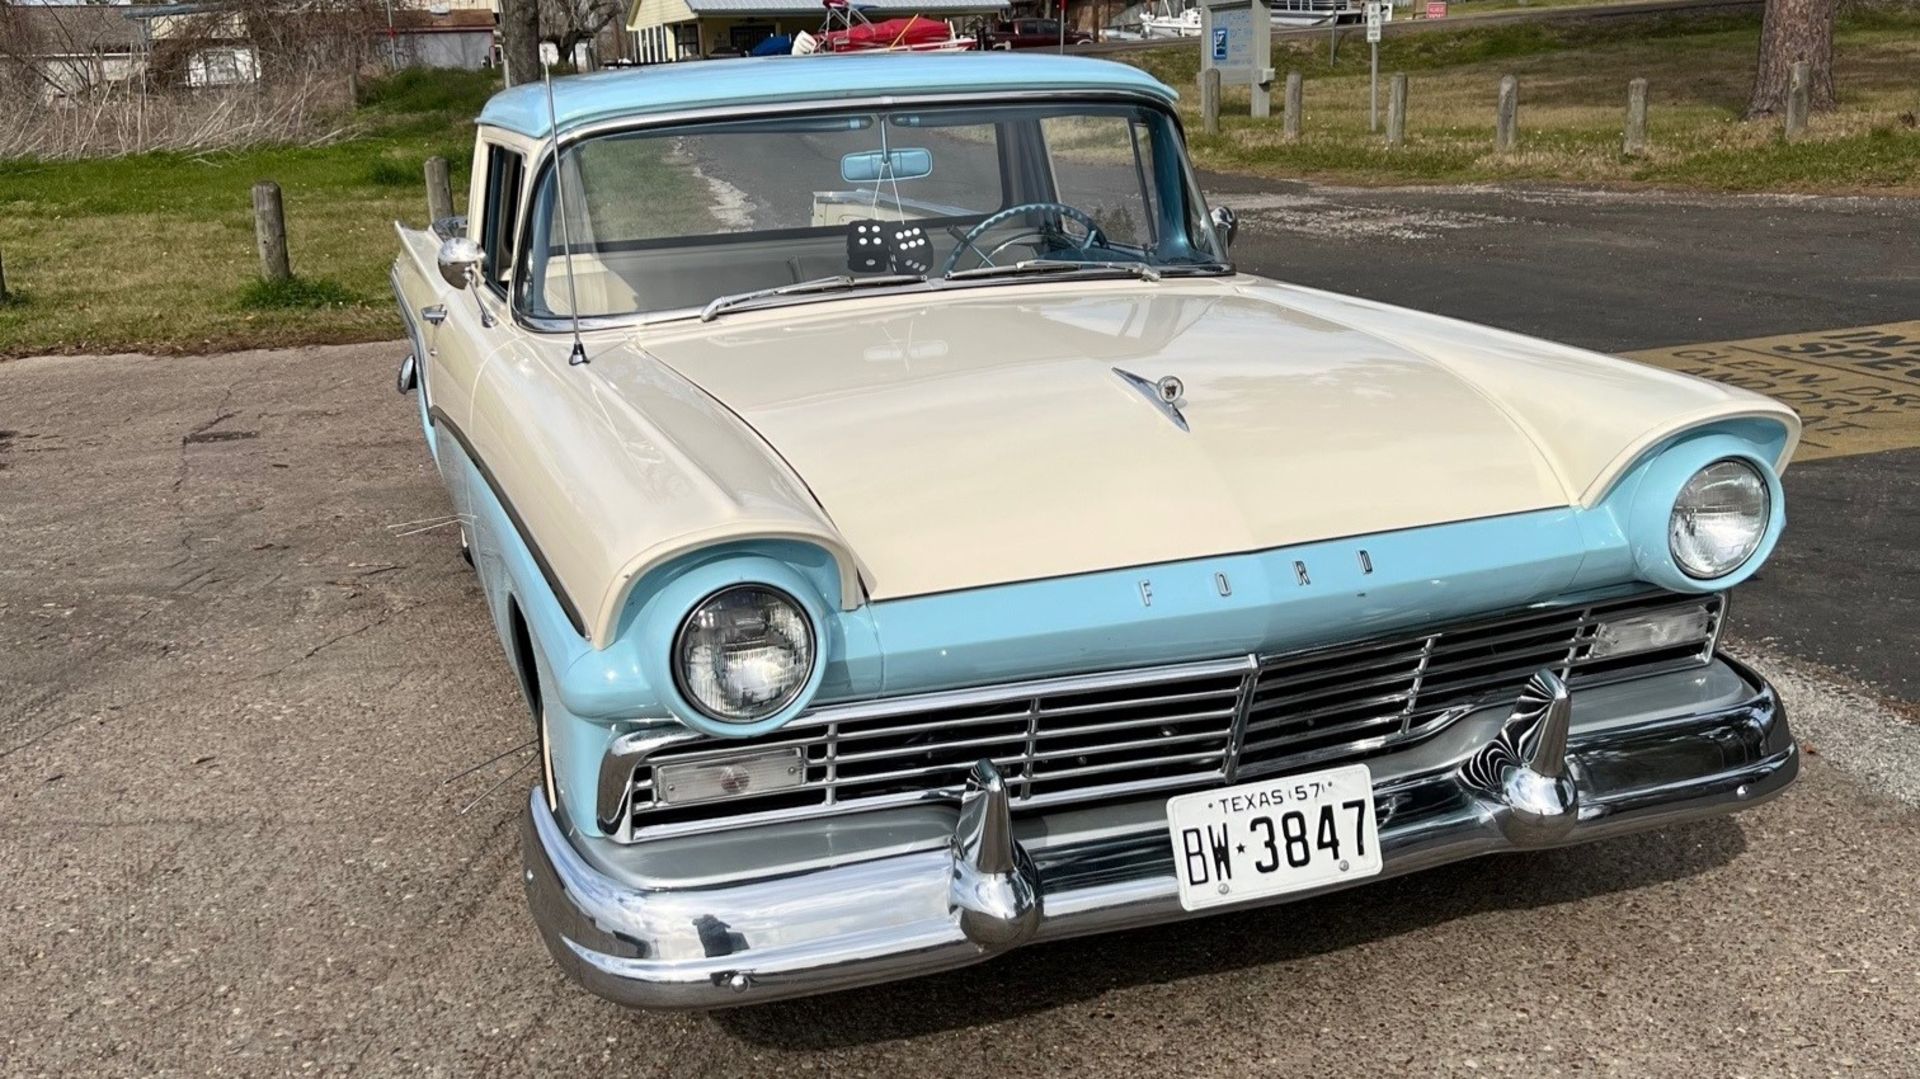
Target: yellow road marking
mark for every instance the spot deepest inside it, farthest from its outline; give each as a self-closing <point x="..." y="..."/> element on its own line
<point x="1857" y="390"/>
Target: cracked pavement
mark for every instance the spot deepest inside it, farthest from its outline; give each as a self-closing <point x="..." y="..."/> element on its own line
<point x="243" y="675"/>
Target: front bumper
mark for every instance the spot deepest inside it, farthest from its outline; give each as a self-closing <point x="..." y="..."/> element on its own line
<point x="898" y="894"/>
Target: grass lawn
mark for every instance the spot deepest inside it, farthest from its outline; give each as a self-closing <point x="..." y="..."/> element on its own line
<point x="156" y="252"/>
<point x="1573" y="84"/>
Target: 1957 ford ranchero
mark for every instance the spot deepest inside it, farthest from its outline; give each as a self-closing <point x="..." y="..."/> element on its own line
<point x="916" y="540"/>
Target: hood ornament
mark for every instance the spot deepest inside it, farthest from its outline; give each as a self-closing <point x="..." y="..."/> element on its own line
<point x="1164" y="395"/>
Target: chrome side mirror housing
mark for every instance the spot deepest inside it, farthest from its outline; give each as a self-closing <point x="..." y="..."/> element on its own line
<point x="460" y="260"/>
<point x="1225" y="225"/>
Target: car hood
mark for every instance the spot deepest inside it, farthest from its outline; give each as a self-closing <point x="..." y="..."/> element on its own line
<point x="976" y="440"/>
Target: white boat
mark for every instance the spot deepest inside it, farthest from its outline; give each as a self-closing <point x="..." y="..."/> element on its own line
<point x="1164" y="23"/>
<point x="1284" y="15"/>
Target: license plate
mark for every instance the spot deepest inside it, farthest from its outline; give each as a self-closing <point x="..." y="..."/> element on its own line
<point x="1286" y="834"/>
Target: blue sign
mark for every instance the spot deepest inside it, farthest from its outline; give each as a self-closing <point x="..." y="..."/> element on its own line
<point x="1219" y="43"/>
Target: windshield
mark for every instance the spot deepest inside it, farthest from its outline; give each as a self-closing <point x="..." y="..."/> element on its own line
<point x="686" y="218"/>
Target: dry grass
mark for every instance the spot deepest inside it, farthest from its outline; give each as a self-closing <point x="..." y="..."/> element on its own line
<point x="155" y="252"/>
<point x="117" y="122"/>
<point x="1573" y="104"/>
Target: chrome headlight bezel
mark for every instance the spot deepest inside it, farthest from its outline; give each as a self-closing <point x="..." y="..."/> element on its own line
<point x="1756" y="524"/>
<point x="677" y="659"/>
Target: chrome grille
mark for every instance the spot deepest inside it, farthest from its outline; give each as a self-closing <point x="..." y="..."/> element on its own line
<point x="1182" y="726"/>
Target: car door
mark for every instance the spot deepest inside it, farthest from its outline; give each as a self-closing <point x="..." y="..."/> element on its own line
<point x="456" y="330"/>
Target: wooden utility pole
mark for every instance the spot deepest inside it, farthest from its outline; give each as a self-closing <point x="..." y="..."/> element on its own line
<point x="1290" y="128"/>
<point x="270" y="231"/>
<point x="1397" y="110"/>
<point x="439" y="190"/>
<point x="1635" y="141"/>
<point x="1210" y="100"/>
<point x="1507" y="122"/>
<point x="1799" y="98"/>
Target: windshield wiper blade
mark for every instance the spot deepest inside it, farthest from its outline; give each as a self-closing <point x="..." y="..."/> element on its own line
<point x="1057" y="266"/>
<point x="720" y="304"/>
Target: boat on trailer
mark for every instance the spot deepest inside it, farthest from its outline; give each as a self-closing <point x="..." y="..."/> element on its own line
<point x="848" y="29"/>
<point x="1164" y="22"/>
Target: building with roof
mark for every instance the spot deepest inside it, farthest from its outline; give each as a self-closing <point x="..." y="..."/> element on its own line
<point x="666" y="30"/>
<point x="71" y="49"/>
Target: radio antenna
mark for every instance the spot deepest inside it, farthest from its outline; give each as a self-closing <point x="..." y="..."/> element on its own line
<point x="579" y="354"/>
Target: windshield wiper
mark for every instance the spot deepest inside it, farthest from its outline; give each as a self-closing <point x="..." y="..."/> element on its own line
<point x="721" y="304"/>
<point x="1057" y="266"/>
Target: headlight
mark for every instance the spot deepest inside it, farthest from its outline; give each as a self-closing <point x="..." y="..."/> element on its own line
<point x="1719" y="519"/>
<point x="744" y="653"/>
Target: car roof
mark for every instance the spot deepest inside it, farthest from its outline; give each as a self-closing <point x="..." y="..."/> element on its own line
<point x="660" y="88"/>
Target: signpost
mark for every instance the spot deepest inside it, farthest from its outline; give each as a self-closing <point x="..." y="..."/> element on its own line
<point x="1378" y="12"/>
<point x="1436" y="9"/>
<point x="1237" y="39"/>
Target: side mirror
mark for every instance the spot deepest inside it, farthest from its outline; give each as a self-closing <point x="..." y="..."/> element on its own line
<point x="460" y="260"/>
<point x="1225" y="225"/>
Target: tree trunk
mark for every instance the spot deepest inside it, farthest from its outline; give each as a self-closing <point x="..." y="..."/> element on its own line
<point x="1794" y="30"/>
<point x="520" y="40"/>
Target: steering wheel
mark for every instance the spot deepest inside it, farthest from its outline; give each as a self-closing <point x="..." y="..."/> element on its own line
<point x="1095" y="237"/>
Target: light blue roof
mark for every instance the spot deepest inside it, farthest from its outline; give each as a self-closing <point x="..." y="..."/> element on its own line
<point x="609" y="95"/>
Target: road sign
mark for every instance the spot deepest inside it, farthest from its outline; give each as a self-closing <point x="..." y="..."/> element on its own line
<point x="1374" y="18"/>
<point x="1436" y="9"/>
<point x="1238" y="42"/>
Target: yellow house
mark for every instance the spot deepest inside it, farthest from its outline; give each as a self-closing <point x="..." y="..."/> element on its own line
<point x="665" y="30"/>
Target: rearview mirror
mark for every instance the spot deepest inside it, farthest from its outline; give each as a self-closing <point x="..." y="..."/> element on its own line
<point x="908" y="163"/>
<point x="1225" y="224"/>
<point x="460" y="260"/>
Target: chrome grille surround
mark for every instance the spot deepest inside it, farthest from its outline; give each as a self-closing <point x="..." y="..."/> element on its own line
<point x="1126" y="733"/>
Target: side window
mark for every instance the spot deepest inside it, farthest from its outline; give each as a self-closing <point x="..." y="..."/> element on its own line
<point x="1100" y="166"/>
<point x="504" y="171"/>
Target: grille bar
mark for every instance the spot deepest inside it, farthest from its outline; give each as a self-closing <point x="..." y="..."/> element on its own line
<point x="1181" y="726"/>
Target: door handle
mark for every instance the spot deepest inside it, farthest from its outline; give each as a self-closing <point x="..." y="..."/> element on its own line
<point x="435" y="314"/>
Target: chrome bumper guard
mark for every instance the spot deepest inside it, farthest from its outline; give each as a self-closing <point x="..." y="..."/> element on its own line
<point x="1554" y="770"/>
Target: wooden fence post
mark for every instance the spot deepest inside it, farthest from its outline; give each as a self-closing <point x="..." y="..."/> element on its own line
<point x="1508" y="119"/>
<point x="1636" y="136"/>
<point x="1397" y="110"/>
<point x="270" y="231"/>
<point x="1798" y="86"/>
<point x="1290" y="122"/>
<point x="1210" y="100"/>
<point x="439" y="190"/>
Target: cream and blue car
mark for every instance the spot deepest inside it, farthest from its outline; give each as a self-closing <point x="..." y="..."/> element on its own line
<point x="916" y="540"/>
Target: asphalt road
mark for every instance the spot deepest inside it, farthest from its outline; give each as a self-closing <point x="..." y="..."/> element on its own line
<point x="238" y="686"/>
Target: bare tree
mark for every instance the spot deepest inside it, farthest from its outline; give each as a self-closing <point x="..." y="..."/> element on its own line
<point x="567" y="23"/>
<point x="1794" y="30"/>
<point x="520" y="40"/>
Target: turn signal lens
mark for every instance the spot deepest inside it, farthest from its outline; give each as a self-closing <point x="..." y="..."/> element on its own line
<point x="737" y="775"/>
<point x="1650" y="632"/>
<point x="744" y="653"/>
<point x="1719" y="519"/>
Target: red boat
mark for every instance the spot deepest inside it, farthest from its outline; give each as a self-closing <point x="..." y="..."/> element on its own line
<point x="847" y="29"/>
